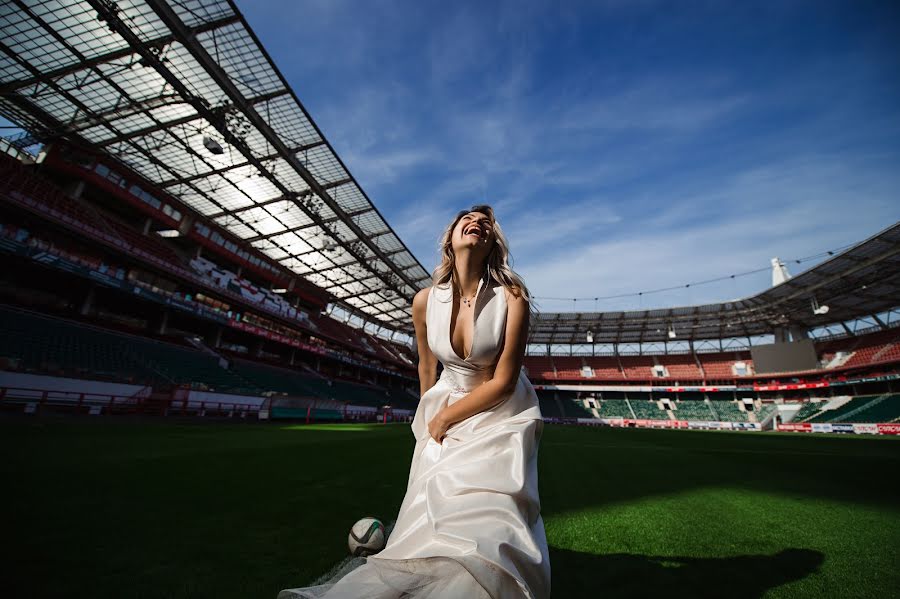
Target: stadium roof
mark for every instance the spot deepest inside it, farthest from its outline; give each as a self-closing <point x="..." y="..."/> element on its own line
<point x="183" y="92"/>
<point x="859" y="282"/>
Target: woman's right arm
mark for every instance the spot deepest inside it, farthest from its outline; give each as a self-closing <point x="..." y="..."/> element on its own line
<point x="427" y="361"/>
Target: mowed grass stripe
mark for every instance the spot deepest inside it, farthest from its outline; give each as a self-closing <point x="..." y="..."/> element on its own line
<point x="113" y="508"/>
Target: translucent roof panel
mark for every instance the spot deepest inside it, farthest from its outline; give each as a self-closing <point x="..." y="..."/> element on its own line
<point x="155" y="84"/>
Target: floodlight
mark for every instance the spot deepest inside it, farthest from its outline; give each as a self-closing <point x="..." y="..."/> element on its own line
<point x="817" y="309"/>
<point x="212" y="145"/>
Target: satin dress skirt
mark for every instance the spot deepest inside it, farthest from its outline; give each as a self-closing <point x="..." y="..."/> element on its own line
<point x="470" y="523"/>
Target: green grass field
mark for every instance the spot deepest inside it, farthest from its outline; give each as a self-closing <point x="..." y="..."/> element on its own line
<point x="114" y="508"/>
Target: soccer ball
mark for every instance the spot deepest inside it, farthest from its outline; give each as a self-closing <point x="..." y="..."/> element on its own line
<point x="366" y="537"/>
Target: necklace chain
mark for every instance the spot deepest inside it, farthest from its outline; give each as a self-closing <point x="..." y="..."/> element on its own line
<point x="467" y="300"/>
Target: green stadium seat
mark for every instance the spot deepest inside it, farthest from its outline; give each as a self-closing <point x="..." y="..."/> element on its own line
<point x="614" y="408"/>
<point x="886" y="409"/>
<point x="693" y="410"/>
<point x="647" y="409"/>
<point x="808" y="410"/>
<point x="728" y="411"/>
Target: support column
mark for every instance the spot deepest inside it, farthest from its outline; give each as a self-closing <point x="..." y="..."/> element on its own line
<point x="798" y="333"/>
<point x="184" y="227"/>
<point x="74" y="190"/>
<point x="163" y="323"/>
<point x="88" y="302"/>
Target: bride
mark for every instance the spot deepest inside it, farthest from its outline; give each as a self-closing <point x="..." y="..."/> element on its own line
<point x="470" y="524"/>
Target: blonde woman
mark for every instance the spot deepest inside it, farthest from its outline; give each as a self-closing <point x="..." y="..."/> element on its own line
<point x="470" y="524"/>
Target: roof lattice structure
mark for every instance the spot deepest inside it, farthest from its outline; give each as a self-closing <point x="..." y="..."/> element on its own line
<point x="859" y="282"/>
<point x="147" y="80"/>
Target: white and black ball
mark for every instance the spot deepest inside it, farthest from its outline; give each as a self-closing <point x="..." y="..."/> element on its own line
<point x="366" y="537"/>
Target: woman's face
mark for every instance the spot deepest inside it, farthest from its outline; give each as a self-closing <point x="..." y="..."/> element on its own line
<point x="475" y="233"/>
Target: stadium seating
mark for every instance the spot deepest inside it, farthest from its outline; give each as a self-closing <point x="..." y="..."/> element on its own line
<point x="568" y="367"/>
<point x="540" y="367"/>
<point x="614" y="408"/>
<point x="52" y="346"/>
<point x="57" y="346"/>
<point x="728" y="411"/>
<point x="574" y="408"/>
<point x="281" y="380"/>
<point x="763" y="412"/>
<point x="22" y="185"/>
<point x="883" y="409"/>
<point x="681" y="366"/>
<point x="875" y="347"/>
<point x="143" y="244"/>
<point x="647" y="409"/>
<point x="865" y="405"/>
<point x="637" y="367"/>
<point x="605" y="367"/>
<point x="693" y="410"/>
<point x="718" y="365"/>
<point x="871" y="348"/>
<point x="808" y="410"/>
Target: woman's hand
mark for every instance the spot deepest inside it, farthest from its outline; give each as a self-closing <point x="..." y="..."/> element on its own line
<point x="438" y="427"/>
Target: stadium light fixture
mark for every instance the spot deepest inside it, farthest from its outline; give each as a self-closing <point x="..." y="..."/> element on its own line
<point x="672" y="334"/>
<point x="590" y="336"/>
<point x="168" y="233"/>
<point x="817" y="309"/>
<point x="279" y="290"/>
<point x="212" y="145"/>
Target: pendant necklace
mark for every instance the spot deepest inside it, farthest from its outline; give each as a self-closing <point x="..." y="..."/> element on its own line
<point x="467" y="302"/>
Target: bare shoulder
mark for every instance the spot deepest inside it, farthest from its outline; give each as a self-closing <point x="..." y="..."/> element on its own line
<point x="420" y="301"/>
<point x="515" y="300"/>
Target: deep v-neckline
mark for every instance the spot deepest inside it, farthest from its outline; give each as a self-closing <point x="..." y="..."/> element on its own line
<point x="474" y="322"/>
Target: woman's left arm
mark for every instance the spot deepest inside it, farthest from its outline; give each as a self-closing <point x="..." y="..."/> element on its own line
<point x="506" y="373"/>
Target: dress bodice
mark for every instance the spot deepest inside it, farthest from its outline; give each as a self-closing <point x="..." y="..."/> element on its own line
<point x="488" y="329"/>
<point x="462" y="375"/>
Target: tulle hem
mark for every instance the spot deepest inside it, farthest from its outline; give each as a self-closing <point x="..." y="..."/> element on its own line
<point x="415" y="578"/>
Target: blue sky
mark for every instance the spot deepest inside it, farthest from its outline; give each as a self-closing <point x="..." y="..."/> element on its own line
<point x="626" y="145"/>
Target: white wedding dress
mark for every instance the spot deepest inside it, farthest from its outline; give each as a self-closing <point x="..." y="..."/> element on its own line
<point x="470" y="525"/>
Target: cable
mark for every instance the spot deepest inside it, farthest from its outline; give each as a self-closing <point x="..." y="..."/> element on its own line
<point x="693" y="284"/>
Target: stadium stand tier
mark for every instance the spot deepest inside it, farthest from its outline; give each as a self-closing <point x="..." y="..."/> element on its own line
<point x="693" y="410"/>
<point x="867" y="408"/>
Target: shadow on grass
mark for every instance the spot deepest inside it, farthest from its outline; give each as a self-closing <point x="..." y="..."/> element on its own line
<point x="622" y="575"/>
<point x="623" y="465"/>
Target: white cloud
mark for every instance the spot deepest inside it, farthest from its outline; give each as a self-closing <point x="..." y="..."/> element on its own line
<point x="790" y="211"/>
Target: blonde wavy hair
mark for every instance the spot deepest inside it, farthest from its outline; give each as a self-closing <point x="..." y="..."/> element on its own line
<point x="497" y="267"/>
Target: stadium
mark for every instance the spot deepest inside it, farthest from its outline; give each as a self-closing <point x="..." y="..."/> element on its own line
<point x="205" y="322"/>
